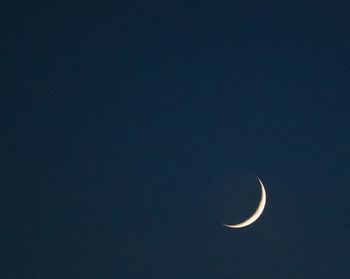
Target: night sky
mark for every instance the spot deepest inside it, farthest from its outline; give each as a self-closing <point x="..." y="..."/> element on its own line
<point x="118" y="116"/>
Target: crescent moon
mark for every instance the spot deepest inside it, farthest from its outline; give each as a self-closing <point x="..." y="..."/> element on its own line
<point x="256" y="214"/>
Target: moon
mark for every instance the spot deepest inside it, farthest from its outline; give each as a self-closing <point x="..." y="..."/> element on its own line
<point x="256" y="214"/>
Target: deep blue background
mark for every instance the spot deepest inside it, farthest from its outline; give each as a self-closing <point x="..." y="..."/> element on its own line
<point x="117" y="116"/>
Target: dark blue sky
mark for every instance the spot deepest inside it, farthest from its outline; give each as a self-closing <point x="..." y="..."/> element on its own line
<point x="118" y="116"/>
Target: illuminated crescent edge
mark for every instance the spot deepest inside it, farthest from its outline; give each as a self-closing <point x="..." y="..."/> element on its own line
<point x="257" y="213"/>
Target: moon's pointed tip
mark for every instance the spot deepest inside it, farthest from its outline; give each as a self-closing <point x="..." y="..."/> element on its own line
<point x="230" y="226"/>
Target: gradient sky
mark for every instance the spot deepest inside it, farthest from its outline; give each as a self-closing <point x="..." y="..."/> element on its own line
<point x="118" y="116"/>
